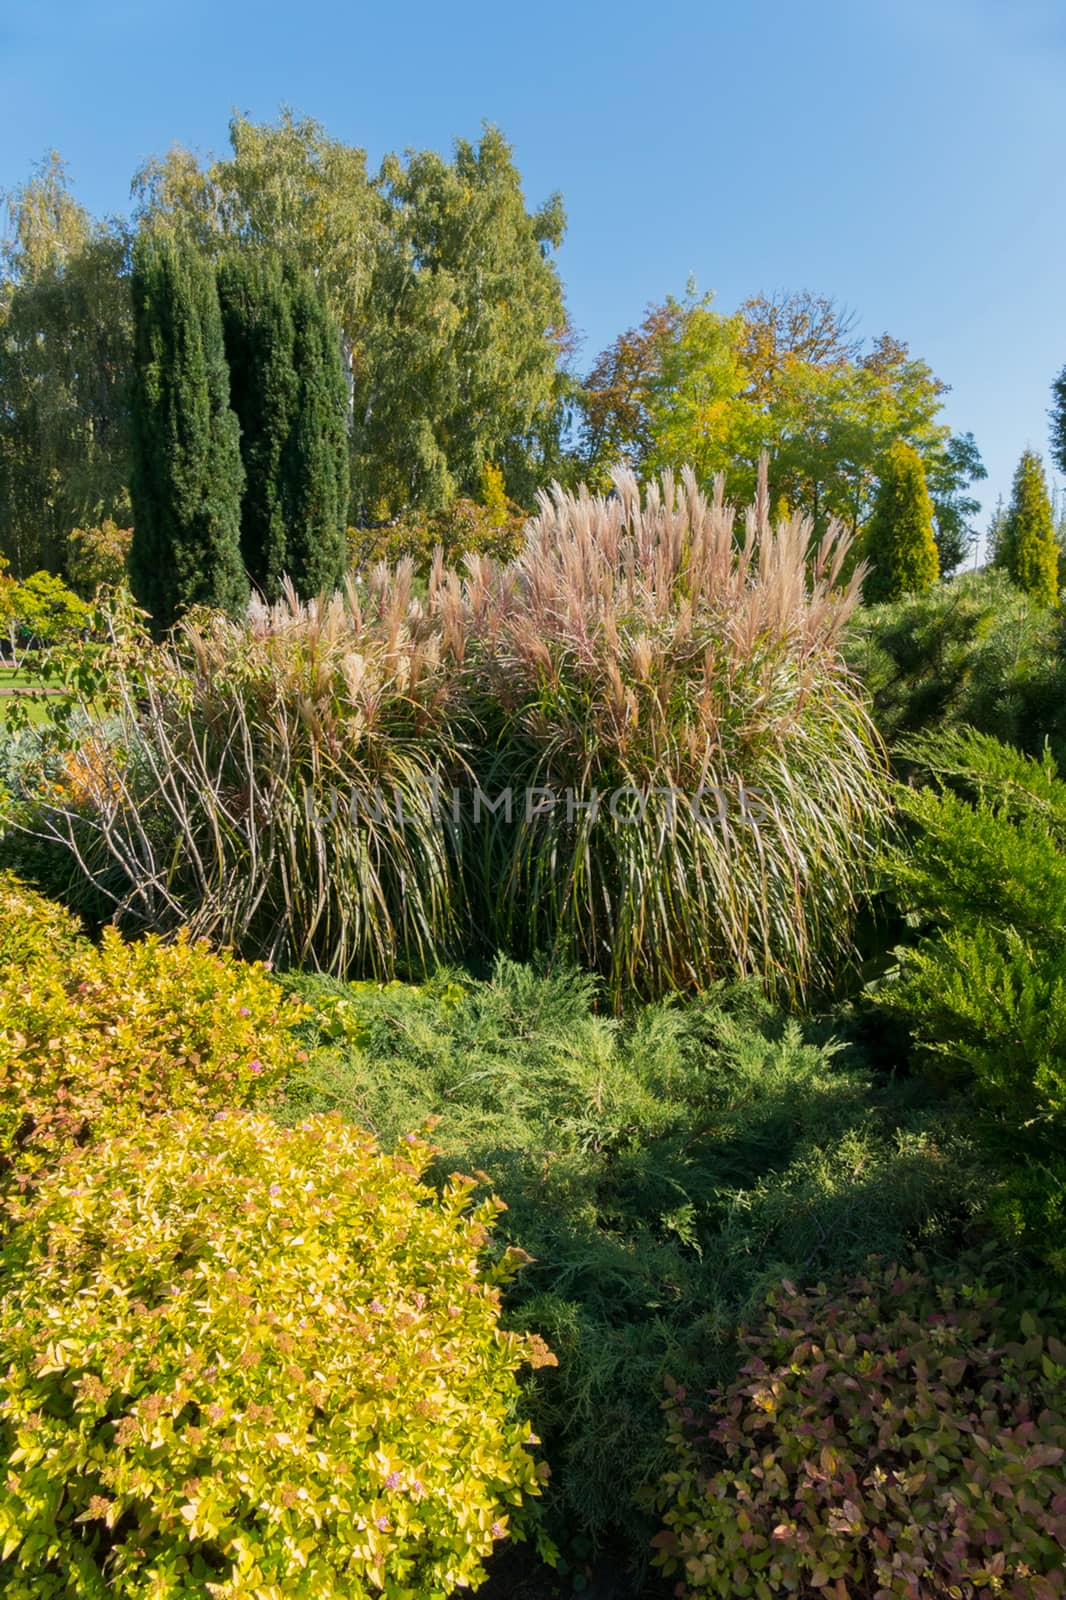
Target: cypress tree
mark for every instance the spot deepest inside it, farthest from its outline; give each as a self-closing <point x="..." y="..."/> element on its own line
<point x="1027" y="548"/>
<point x="290" y="392"/>
<point x="187" y="477"/>
<point x="258" y="331"/>
<point x="315" y="461"/>
<point x="900" y="545"/>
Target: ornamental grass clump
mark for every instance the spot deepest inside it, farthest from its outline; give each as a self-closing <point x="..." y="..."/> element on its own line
<point x="269" y="783"/>
<point x="243" y="1360"/>
<point x="702" y="784"/>
<point x="891" y="1439"/>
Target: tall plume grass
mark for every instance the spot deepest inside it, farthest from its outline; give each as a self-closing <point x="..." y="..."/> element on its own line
<point x="268" y="782"/>
<point x="658" y="646"/>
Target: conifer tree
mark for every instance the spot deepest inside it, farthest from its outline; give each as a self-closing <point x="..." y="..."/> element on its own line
<point x="258" y="331"/>
<point x="899" y="543"/>
<point x="314" y="466"/>
<point x="1027" y="548"/>
<point x="186" y="464"/>
<point x="289" y="390"/>
<point x="1058" y="421"/>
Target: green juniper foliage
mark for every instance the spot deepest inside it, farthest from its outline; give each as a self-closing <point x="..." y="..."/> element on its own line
<point x="983" y="874"/>
<point x="975" y="650"/>
<point x="187" y="473"/>
<point x="663" y="1171"/>
<point x="899" y="542"/>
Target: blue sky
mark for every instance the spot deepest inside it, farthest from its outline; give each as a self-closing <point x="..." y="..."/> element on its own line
<point x="904" y="156"/>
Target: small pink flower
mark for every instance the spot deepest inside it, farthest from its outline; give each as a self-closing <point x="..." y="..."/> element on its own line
<point x="392" y="1481"/>
<point x="382" y="1524"/>
<point x="255" y="1066"/>
<point x="275" y="1189"/>
<point x="244" y="1012"/>
<point x="499" y="1531"/>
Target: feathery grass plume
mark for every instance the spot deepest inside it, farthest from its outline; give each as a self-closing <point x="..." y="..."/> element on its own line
<point x="654" y="647"/>
<point x="269" y="782"/>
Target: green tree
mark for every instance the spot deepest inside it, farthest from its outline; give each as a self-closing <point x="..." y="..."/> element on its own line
<point x="1027" y="548"/>
<point x="784" y="376"/>
<point x="899" y="541"/>
<point x="315" y="459"/>
<point x="288" y="388"/>
<point x="459" y="363"/>
<point x="258" y="332"/>
<point x="454" y="331"/>
<point x="949" y="471"/>
<point x="1058" y="421"/>
<point x="65" y="345"/>
<point x="187" y="472"/>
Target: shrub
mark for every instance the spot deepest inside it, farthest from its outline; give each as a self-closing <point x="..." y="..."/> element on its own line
<point x="94" y="1038"/>
<point x="33" y="929"/>
<point x="972" y="651"/>
<point x="662" y="1170"/>
<point x="97" y="557"/>
<point x="244" y="1360"/>
<point x="41" y="610"/>
<point x="894" y="1438"/>
<point x="466" y="527"/>
<point x="983" y="988"/>
<point x="715" y="783"/>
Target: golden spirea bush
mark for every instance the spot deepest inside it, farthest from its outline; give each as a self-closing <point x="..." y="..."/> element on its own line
<point x="33" y="928"/>
<point x="245" y="1360"/>
<point x="95" y="1037"/>
<point x="895" y="1440"/>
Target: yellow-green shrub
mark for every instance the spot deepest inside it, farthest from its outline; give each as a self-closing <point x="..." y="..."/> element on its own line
<point x="892" y="1440"/>
<point x="33" y="928"/>
<point x="112" y="1033"/>
<point x="238" y="1359"/>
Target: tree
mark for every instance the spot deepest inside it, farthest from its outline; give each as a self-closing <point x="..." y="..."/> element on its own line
<point x="784" y="376"/>
<point x="1027" y="548"/>
<point x="187" y="472"/>
<point x="949" y="471"/>
<point x="441" y="280"/>
<point x="459" y="361"/>
<point x="899" y="541"/>
<point x="258" y="334"/>
<point x="1058" y="421"/>
<point x="288" y="388"/>
<point x="65" y="346"/>
<point x="315" y="458"/>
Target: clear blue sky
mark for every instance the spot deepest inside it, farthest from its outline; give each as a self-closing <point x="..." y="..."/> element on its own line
<point x="904" y="156"/>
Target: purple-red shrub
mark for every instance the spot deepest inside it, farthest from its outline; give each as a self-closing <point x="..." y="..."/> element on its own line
<point x="893" y="1439"/>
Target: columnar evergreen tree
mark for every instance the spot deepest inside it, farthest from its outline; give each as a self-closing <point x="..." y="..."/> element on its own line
<point x="187" y="475"/>
<point x="1058" y="421"/>
<point x="314" y="465"/>
<point x="899" y="543"/>
<point x="289" y="390"/>
<point x="258" y="331"/>
<point x="1027" y="547"/>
